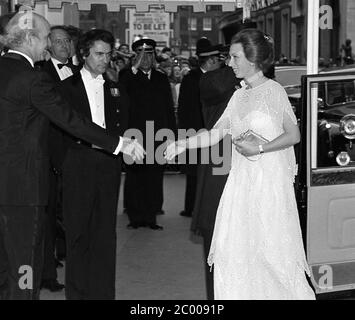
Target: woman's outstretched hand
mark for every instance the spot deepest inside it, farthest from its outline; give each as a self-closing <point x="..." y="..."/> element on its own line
<point x="174" y="149"/>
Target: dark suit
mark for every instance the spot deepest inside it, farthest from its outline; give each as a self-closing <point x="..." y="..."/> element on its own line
<point x="54" y="232"/>
<point x="91" y="180"/>
<point x="190" y="117"/>
<point x="216" y="89"/>
<point x="150" y="100"/>
<point x="28" y="102"/>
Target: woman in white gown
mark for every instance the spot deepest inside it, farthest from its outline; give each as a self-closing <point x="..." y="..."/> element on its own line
<point x="257" y="249"/>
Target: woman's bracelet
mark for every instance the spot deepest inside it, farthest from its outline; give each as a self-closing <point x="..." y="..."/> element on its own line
<point x="261" y="149"/>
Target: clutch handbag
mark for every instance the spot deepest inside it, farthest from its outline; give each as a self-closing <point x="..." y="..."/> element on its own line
<point x="252" y="137"/>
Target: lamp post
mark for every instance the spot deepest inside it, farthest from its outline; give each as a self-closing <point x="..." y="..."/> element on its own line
<point x="312" y="36"/>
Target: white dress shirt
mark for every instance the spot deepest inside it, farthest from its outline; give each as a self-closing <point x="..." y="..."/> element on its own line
<point x="95" y="92"/>
<point x="64" y="72"/>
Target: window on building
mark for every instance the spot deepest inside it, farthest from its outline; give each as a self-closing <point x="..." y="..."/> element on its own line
<point x="184" y="41"/>
<point x="192" y="43"/>
<point x="261" y="24"/>
<point x="183" y="23"/>
<point x="270" y="25"/>
<point x="285" y="33"/>
<point x="192" y="24"/>
<point x="207" y="24"/>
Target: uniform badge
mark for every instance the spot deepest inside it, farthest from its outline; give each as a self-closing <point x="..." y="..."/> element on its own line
<point x="115" y="92"/>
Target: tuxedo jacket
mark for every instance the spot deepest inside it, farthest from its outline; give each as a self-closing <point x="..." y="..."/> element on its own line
<point x="116" y="107"/>
<point x="56" y="145"/>
<point x="28" y="102"/>
<point x="49" y="67"/>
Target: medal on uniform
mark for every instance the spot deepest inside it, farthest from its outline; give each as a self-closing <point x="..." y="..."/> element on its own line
<point x="115" y="92"/>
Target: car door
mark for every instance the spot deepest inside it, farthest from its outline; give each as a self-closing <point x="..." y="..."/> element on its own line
<point x="326" y="183"/>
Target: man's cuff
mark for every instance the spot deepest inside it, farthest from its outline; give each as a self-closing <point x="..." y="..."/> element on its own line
<point x="134" y="70"/>
<point x="119" y="147"/>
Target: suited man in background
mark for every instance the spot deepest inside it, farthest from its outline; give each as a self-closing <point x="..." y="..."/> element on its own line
<point x="28" y="102"/>
<point x="91" y="177"/>
<point x="59" y="67"/>
<point x="150" y="100"/>
<point x="217" y="87"/>
<point x="190" y="111"/>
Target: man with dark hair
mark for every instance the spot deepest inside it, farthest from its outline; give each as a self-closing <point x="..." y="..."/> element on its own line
<point x="28" y="101"/>
<point x="91" y="178"/>
<point x="190" y="110"/>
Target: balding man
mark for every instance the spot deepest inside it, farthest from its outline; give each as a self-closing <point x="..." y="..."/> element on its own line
<point x="28" y="101"/>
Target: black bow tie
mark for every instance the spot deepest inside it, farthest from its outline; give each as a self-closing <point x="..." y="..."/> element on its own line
<point x="61" y="65"/>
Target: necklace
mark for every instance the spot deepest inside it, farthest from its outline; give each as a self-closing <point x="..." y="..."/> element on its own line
<point x="255" y="77"/>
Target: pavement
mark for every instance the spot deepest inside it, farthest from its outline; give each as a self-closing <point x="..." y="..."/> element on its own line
<point x="156" y="265"/>
<point x="162" y="265"/>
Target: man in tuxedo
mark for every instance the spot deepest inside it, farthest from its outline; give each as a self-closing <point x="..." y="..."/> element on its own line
<point x="150" y="100"/>
<point x="28" y="102"/>
<point x="59" y="67"/>
<point x="216" y="87"/>
<point x="91" y="177"/>
<point x="190" y="111"/>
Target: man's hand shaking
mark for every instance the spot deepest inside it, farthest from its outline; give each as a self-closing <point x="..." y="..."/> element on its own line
<point x="132" y="148"/>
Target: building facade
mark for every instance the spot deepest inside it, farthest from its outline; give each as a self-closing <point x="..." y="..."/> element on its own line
<point x="98" y="17"/>
<point x="286" y="22"/>
<point x="186" y="26"/>
<point x="190" y="26"/>
<point x="4" y="7"/>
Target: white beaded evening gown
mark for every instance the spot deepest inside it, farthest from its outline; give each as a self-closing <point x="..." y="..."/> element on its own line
<point x="257" y="248"/>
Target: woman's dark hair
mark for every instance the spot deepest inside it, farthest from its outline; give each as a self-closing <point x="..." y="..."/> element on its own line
<point x="258" y="47"/>
<point x="87" y="40"/>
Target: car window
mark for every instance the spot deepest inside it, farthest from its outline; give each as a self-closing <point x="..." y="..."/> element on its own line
<point x="339" y="92"/>
<point x="290" y="76"/>
<point x="336" y="123"/>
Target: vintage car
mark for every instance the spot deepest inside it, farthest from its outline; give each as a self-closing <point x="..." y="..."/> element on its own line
<point x="289" y="76"/>
<point x="325" y="186"/>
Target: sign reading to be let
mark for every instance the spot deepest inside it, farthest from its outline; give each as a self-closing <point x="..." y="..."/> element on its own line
<point x="154" y="24"/>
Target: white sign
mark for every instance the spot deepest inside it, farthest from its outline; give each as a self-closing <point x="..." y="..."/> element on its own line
<point x="154" y="25"/>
